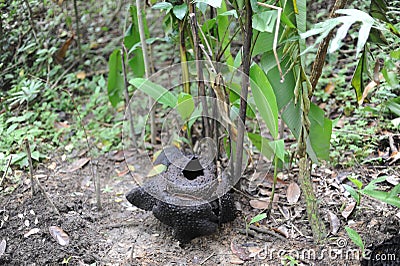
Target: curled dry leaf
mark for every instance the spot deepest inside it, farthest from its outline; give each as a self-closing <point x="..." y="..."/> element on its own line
<point x="239" y="251"/>
<point x="32" y="232"/>
<point x="259" y="203"/>
<point x="348" y="210"/>
<point x="293" y="193"/>
<point x="59" y="235"/>
<point x="282" y="230"/>
<point x="3" y="245"/>
<point x="334" y="223"/>
<point x="78" y="164"/>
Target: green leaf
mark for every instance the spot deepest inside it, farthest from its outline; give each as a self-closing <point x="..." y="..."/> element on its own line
<point x="263" y="42"/>
<point x="353" y="193"/>
<point x="356" y="182"/>
<point x="264" y="98"/>
<point x="262" y="144"/>
<point x="115" y="84"/>
<point x="390" y="198"/>
<point x="394" y="106"/>
<point x="355" y="237"/>
<point x="264" y="21"/>
<point x="213" y="3"/>
<point x="357" y="81"/>
<point x="383" y="196"/>
<point x="258" y="218"/>
<point x="278" y="146"/>
<point x="378" y="9"/>
<point x="223" y="32"/>
<point x="185" y="105"/>
<point x="180" y="11"/>
<point x="132" y="43"/>
<point x="157" y="169"/>
<point x="320" y="132"/>
<point x="197" y="113"/>
<point x="163" y="6"/>
<point x="229" y="13"/>
<point x="353" y="16"/>
<point x="157" y="92"/>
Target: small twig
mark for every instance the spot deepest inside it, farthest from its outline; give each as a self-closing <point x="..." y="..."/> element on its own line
<point x="28" y="153"/>
<point x="126" y="94"/>
<point x="78" y="39"/>
<point x="6" y="170"/>
<point x="206" y="259"/>
<point x="46" y="196"/>
<point x="96" y="178"/>
<point x="63" y="74"/>
<point x="146" y="68"/>
<point x="266" y="231"/>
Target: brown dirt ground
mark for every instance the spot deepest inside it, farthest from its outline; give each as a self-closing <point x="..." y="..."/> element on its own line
<point x="121" y="234"/>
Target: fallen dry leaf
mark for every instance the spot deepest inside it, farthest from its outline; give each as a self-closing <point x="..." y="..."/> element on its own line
<point x="60" y="54"/>
<point x="236" y="261"/>
<point x="369" y="88"/>
<point x="333" y="222"/>
<point x="3" y="245"/>
<point x="117" y="156"/>
<point x="78" y="164"/>
<point x="293" y="193"/>
<point x="259" y="203"/>
<point x="348" y="210"/>
<point x="239" y="251"/>
<point x="32" y="232"/>
<point x="59" y="235"/>
<point x="282" y="230"/>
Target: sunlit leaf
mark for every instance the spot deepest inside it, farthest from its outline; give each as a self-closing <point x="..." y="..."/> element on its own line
<point x="355" y="237"/>
<point x="258" y="218"/>
<point x="180" y="11"/>
<point x="213" y="3"/>
<point x="264" y="98"/>
<point x="264" y="21"/>
<point x="185" y="105"/>
<point x="163" y="6"/>
<point x="157" y="92"/>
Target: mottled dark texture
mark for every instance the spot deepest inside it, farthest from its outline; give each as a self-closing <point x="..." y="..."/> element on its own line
<point x="196" y="216"/>
<point x="385" y="254"/>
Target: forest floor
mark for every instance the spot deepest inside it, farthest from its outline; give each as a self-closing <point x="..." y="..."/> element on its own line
<point x="121" y="234"/>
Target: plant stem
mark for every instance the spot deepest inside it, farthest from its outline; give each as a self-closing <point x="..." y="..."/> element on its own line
<point x="184" y="65"/>
<point x="245" y="89"/>
<point x="78" y="34"/>
<point x="29" y="155"/>
<point x="200" y="78"/>
<point x="146" y="68"/>
<point x="126" y="94"/>
<point x="6" y="170"/>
